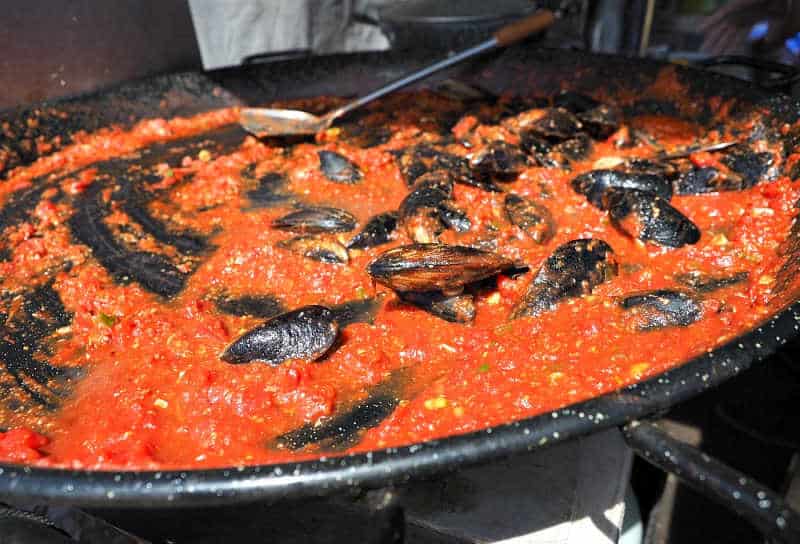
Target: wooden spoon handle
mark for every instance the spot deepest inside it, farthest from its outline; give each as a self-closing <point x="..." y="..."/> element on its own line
<point x="516" y="31"/>
<point x="505" y="36"/>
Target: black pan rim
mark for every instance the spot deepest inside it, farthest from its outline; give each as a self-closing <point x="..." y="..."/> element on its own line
<point x="209" y="487"/>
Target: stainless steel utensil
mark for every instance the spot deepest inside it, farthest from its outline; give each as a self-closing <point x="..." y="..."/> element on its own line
<point x="281" y="122"/>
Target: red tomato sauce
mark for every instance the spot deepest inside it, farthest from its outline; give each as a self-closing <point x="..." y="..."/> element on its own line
<point x="152" y="391"/>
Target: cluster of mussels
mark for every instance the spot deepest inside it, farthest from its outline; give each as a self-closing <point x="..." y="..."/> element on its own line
<point x="438" y="278"/>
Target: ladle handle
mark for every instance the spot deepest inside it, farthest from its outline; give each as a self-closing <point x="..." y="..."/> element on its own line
<point x="507" y="35"/>
<point x="519" y="30"/>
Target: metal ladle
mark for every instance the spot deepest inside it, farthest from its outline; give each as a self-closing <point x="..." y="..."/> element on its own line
<point x="281" y="122"/>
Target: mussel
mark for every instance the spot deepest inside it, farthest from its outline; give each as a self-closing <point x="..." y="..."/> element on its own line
<point x="316" y="219"/>
<point x="572" y="270"/>
<point x="534" y="219"/>
<point x="501" y="159"/>
<point x="459" y="168"/>
<point x="574" y="102"/>
<point x="649" y="218"/>
<point x="325" y="250"/>
<point x="423" y="158"/>
<point x="573" y="149"/>
<point x="305" y="333"/>
<point x="537" y="147"/>
<point x="664" y="169"/>
<point x="554" y="123"/>
<point x="453" y="217"/>
<point x="346" y="427"/>
<point x="703" y="180"/>
<point x="750" y="165"/>
<point x="662" y="308"/>
<point x="594" y="185"/>
<point x="454" y="308"/>
<point x="427" y="210"/>
<point x="271" y="191"/>
<point x="378" y="230"/>
<point x="338" y="168"/>
<point x="706" y="283"/>
<point x="601" y="121"/>
<point x="435" y="267"/>
<point x="410" y="164"/>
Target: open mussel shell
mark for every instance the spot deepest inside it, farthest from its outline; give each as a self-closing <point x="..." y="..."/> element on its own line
<point x="594" y="185"/>
<point x="700" y="181"/>
<point x="316" y="219"/>
<point x="378" y="230"/>
<point x="537" y="147"/>
<point x="305" y="333"/>
<point x="435" y="267"/>
<point x="662" y="308"/>
<point x="325" y="250"/>
<point x="500" y="159"/>
<point x="572" y="270"/>
<point x="573" y="149"/>
<point x="750" y="165"/>
<point x="649" y="218"/>
<point x="600" y="121"/>
<point x="338" y="168"/>
<point x="533" y="218"/>
<point x="429" y="191"/>
<point x="455" y="308"/>
<point x="462" y="172"/>
<point x="707" y="283"/>
<point x="454" y="217"/>
<point x="555" y="124"/>
<point x="421" y="159"/>
<point x="420" y="212"/>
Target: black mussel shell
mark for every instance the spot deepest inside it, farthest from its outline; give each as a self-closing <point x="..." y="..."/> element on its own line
<point x="573" y="149"/>
<point x="572" y="270"/>
<point x="753" y="167"/>
<point x="325" y="250"/>
<point x="456" y="309"/>
<point x="305" y="333"/>
<point x="702" y="180"/>
<point x="378" y="230"/>
<point x="338" y="168"/>
<point x="500" y="158"/>
<point x="595" y="184"/>
<point x="453" y="217"/>
<point x="420" y="211"/>
<point x="556" y="124"/>
<point x="661" y="309"/>
<point x="316" y="219"/>
<point x="649" y="218"/>
<point x="435" y="267"/>
<point x="533" y="218"/>
<point x="361" y="310"/>
<point x="600" y="121"/>
<point x="706" y="283"/>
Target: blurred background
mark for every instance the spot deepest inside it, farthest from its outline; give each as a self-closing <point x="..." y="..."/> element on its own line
<point x="58" y="49"/>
